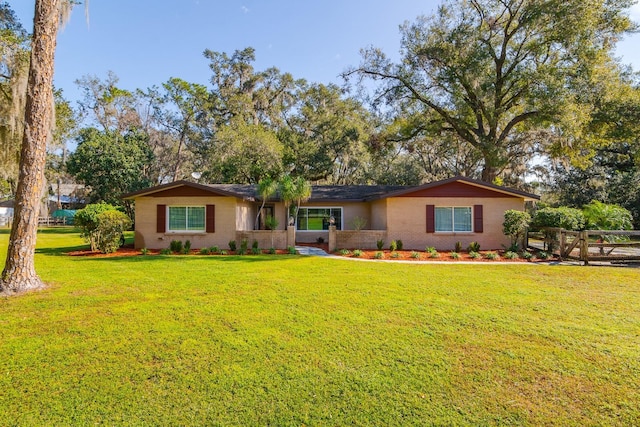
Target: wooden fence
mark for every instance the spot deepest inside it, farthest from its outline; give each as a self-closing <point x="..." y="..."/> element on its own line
<point x="593" y="245"/>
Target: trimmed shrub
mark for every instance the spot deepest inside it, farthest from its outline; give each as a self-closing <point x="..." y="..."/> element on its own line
<point x="232" y="245"/>
<point x="515" y="225"/>
<point x="380" y="244"/>
<point x="414" y="255"/>
<point x="378" y="255"/>
<point x="492" y="256"/>
<point x="87" y="221"/>
<point x="176" y="246"/>
<point x="205" y="251"/>
<point x="473" y="247"/>
<point x="454" y="255"/>
<point x="291" y="250"/>
<point x="458" y="247"/>
<point x="109" y="233"/>
<point x="511" y="255"/>
<point x="399" y="244"/>
<point x="474" y="255"/>
<point x="393" y="246"/>
<point x="357" y="253"/>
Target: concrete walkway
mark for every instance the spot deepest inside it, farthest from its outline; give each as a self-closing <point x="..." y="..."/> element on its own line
<point x="310" y="250"/>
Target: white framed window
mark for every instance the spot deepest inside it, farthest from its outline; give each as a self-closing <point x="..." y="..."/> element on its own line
<point x="186" y="218"/>
<point x="318" y="219"/>
<point x="453" y="219"/>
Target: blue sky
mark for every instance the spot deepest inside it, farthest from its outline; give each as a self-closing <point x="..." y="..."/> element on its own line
<point x="145" y="42"/>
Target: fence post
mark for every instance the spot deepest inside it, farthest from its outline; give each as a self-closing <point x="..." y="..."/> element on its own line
<point x="584" y="247"/>
<point x="563" y="243"/>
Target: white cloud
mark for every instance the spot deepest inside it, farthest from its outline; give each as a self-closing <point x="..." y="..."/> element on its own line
<point x="245" y="9"/>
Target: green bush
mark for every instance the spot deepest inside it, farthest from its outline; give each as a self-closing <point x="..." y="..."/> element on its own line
<point x="223" y="252"/>
<point x="602" y="216"/>
<point x="108" y="236"/>
<point x="526" y="255"/>
<point x="255" y="251"/>
<point x="515" y="225"/>
<point x="473" y="247"/>
<point x="88" y="222"/>
<point x="165" y="251"/>
<point x="176" y="246"/>
<point x="205" y="251"/>
<point x="399" y="244"/>
<point x="378" y="255"/>
<point x="454" y="255"/>
<point x="474" y="255"/>
<point x="430" y="249"/>
<point x="144" y="251"/>
<point x="458" y="247"/>
<point x="380" y="244"/>
<point x="511" y="255"/>
<point x="214" y="249"/>
<point x="187" y="247"/>
<point x="345" y="252"/>
<point x="492" y="256"/>
<point x="254" y="244"/>
<point x="232" y="245"/>
<point x="272" y="251"/>
<point x="395" y="255"/>
<point x="357" y="253"/>
<point x="562" y="217"/>
<point x="393" y="246"/>
<point x="291" y="250"/>
<point x="414" y="255"/>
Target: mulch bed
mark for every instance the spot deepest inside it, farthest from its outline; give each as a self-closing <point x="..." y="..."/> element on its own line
<point x="127" y="251"/>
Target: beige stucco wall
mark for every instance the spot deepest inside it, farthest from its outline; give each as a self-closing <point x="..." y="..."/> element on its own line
<point x="147" y="237"/>
<point x="265" y="238"/>
<point x="246" y="215"/>
<point x="406" y="219"/>
<point x="379" y="215"/>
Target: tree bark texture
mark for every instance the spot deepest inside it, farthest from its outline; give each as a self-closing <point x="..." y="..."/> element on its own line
<point x="19" y="272"/>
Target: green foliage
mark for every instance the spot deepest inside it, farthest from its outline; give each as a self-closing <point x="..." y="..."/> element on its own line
<point x="511" y="255"/>
<point x="491" y="73"/>
<point x="473" y="247"/>
<point x="291" y="250"/>
<point x="271" y="223"/>
<point x="492" y="256"/>
<point x="111" y="164"/>
<point x="474" y="255"/>
<point x="527" y="255"/>
<point x="244" y="246"/>
<point x="458" y="247"/>
<point x="166" y="251"/>
<point x="562" y="217"/>
<point x="214" y="249"/>
<point x="395" y="255"/>
<point x="144" y="251"/>
<point x="345" y="252"/>
<point x="254" y="244"/>
<point x="357" y="253"/>
<point x="415" y="255"/>
<point x="434" y="254"/>
<point x="393" y="246"/>
<point x="205" y="251"/>
<point x="515" y="225"/>
<point x="272" y="251"/>
<point x="176" y="246"/>
<point x="232" y="245"/>
<point x="380" y="244"/>
<point x="601" y="216"/>
<point x="88" y="221"/>
<point x="223" y="252"/>
<point x="109" y="233"/>
<point x="399" y="244"/>
<point x="543" y="255"/>
<point x="454" y="255"/>
<point x="255" y="251"/>
<point x="379" y="255"/>
<point x="187" y="247"/>
<point x="358" y="223"/>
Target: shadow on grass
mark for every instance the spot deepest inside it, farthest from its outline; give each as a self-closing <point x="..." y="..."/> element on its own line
<point x="61" y="251"/>
<point x="50" y="230"/>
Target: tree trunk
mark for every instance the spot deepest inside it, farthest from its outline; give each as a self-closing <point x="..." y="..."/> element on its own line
<point x="19" y="272"/>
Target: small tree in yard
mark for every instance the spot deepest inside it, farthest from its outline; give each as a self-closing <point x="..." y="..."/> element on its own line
<point x="102" y="226"/>
<point x="562" y="217"/>
<point x="515" y="226"/>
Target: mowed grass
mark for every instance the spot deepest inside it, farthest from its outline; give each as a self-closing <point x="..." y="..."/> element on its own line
<point x="289" y="340"/>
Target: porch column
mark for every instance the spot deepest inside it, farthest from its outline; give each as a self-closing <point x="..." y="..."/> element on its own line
<point x="291" y="235"/>
<point x="333" y="238"/>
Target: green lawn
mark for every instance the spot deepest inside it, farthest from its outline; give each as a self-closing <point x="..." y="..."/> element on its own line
<point x="287" y="340"/>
